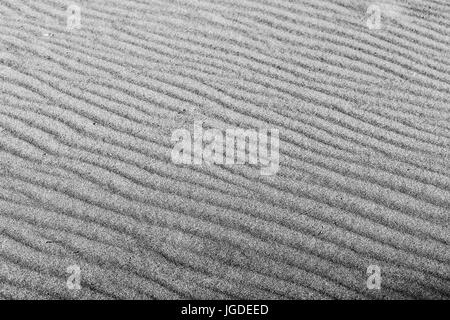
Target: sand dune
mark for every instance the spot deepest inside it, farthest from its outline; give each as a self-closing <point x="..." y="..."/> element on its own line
<point x="86" y="176"/>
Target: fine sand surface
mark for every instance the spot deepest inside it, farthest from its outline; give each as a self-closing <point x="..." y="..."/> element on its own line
<point x="86" y="176"/>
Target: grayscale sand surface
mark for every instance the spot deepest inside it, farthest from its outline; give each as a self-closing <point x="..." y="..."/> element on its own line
<point x="87" y="180"/>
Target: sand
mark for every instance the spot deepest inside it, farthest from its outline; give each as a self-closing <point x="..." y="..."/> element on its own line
<point x="93" y="207"/>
